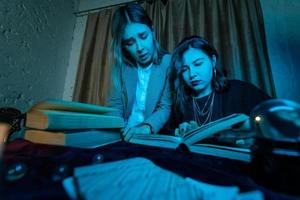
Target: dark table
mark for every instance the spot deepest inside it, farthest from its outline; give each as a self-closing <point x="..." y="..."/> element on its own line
<point x="43" y="160"/>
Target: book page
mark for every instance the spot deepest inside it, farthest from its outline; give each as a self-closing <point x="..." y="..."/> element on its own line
<point x="231" y="138"/>
<point x="111" y="166"/>
<point x="211" y="191"/>
<point x="139" y="178"/>
<point x="214" y="127"/>
<point x="237" y="149"/>
<point x="156" y="140"/>
<point x="235" y="153"/>
<point x="135" y="178"/>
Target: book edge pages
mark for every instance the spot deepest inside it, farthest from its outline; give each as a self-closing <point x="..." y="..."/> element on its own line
<point x="50" y="120"/>
<point x="222" y="153"/>
<point x="162" y="141"/>
<point x="72" y="106"/>
<point x="65" y="139"/>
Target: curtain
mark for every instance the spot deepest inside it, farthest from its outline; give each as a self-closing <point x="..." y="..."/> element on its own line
<point x="234" y="27"/>
<point x="93" y="75"/>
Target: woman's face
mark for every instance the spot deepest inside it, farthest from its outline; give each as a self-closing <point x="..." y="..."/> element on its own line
<point x="197" y="70"/>
<point x="138" y="42"/>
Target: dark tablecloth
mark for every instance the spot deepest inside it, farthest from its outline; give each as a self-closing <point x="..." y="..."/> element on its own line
<point x="42" y="160"/>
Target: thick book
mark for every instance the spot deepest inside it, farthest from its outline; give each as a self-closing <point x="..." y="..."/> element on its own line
<point x="195" y="140"/>
<point x="71" y="106"/>
<point x="66" y="115"/>
<point x="81" y="138"/>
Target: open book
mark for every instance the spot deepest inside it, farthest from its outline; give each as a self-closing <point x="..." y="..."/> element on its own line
<point x="193" y="140"/>
<point x="65" y="115"/>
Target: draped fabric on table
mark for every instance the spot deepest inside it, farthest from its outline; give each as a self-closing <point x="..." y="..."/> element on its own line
<point x="235" y="28"/>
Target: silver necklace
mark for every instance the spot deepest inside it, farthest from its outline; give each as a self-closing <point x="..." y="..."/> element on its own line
<point x="206" y="110"/>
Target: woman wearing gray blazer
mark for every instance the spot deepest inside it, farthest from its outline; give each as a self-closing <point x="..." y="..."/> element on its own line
<point x="140" y="87"/>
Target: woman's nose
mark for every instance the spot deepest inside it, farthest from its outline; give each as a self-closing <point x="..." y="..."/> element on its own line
<point x="139" y="46"/>
<point x="192" y="73"/>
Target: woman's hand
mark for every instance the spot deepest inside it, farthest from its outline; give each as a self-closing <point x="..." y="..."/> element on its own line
<point x="144" y="129"/>
<point x="185" y="127"/>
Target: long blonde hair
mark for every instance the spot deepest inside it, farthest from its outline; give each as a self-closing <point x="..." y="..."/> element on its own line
<point x="134" y="13"/>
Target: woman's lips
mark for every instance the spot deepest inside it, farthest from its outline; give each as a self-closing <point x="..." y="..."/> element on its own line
<point x="197" y="82"/>
<point x="143" y="56"/>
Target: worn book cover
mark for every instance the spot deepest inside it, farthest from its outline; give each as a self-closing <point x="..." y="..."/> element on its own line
<point x="73" y="138"/>
<point x="65" y="115"/>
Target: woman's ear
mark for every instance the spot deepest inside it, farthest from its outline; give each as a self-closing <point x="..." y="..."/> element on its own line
<point x="214" y="60"/>
<point x="153" y="32"/>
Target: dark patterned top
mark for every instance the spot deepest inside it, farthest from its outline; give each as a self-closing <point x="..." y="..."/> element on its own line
<point x="240" y="97"/>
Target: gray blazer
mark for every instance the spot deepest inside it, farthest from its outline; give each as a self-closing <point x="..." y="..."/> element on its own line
<point x="158" y="99"/>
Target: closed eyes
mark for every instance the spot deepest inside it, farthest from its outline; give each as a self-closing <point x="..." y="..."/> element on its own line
<point x="128" y="42"/>
<point x="198" y="64"/>
<point x="143" y="35"/>
<point x="131" y="41"/>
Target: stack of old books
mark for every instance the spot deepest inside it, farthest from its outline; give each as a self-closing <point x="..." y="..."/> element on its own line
<point x="68" y="123"/>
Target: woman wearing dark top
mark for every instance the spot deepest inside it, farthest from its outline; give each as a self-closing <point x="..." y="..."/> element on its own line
<point x="201" y="91"/>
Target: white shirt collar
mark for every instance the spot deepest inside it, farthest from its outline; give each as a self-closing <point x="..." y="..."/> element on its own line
<point x="145" y="68"/>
